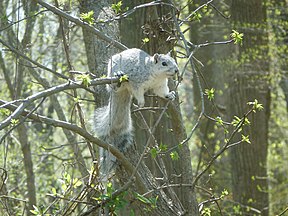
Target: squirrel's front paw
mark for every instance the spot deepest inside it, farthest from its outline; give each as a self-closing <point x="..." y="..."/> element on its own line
<point x="171" y="95"/>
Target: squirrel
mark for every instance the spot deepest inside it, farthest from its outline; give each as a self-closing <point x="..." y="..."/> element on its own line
<point x="113" y="123"/>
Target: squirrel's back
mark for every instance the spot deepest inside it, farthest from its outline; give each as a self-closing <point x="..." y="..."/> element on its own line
<point x="131" y="62"/>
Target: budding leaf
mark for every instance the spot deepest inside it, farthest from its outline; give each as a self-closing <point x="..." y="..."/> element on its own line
<point x="174" y="155"/>
<point x="237" y="37"/>
<point x="124" y="78"/>
<point x="245" y="138"/>
<point x="145" y="40"/>
<point x="85" y="78"/>
<point x="88" y="17"/>
<point x="210" y="93"/>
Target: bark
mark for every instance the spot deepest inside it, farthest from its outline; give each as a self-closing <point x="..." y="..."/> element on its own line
<point x="249" y="81"/>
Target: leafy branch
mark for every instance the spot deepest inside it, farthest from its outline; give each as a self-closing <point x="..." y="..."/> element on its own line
<point x="237" y="127"/>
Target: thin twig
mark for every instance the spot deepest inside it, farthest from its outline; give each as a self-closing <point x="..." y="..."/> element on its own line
<point x="224" y="148"/>
<point x="50" y="91"/>
<point x="80" y="131"/>
<point x="19" y="53"/>
<point x="83" y="24"/>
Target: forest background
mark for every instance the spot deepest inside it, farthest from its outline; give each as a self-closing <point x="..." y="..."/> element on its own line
<point x="219" y="149"/>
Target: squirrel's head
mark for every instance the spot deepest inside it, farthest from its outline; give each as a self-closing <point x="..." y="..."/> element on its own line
<point x="165" y="65"/>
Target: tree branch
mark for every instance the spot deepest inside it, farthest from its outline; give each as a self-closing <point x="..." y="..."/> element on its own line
<point x="78" y="130"/>
<point x="48" y="92"/>
<point x="83" y="24"/>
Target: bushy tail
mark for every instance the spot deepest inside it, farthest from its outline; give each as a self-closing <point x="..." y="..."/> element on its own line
<point x="113" y="125"/>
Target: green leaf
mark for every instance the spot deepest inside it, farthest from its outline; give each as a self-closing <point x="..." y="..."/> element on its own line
<point x="245" y="138"/>
<point x="210" y="93"/>
<point x="153" y="152"/>
<point x="76" y="183"/>
<point x="36" y="211"/>
<point x="206" y="212"/>
<point x="124" y="78"/>
<point x="246" y="121"/>
<point x="174" y="155"/>
<point x="109" y="189"/>
<point x="219" y="120"/>
<point x="67" y="176"/>
<point x="236" y="121"/>
<point x="196" y="16"/>
<point x="14" y="121"/>
<point x="88" y="17"/>
<point x="142" y="198"/>
<point x="256" y="106"/>
<point x="145" y="40"/>
<point x="224" y="193"/>
<point x="54" y="192"/>
<point x="237" y="37"/>
<point x="103" y="76"/>
<point x="149" y="201"/>
<point x="163" y="147"/>
<point x="64" y="187"/>
<point x="85" y="78"/>
<point x="117" y="7"/>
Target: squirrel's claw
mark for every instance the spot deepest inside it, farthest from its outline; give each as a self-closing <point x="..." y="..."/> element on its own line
<point x="171" y="95"/>
<point x="119" y="74"/>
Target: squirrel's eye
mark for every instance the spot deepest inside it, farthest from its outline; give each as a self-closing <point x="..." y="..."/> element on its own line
<point x="164" y="63"/>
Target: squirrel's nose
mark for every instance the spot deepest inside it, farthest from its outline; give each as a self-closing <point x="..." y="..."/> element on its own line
<point x="176" y="71"/>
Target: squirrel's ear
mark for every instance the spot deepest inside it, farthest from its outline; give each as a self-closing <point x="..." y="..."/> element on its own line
<point x="169" y="53"/>
<point x="156" y="58"/>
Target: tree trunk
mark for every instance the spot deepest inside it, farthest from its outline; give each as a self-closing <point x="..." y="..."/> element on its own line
<point x="278" y="16"/>
<point x="148" y="23"/>
<point x="249" y="81"/>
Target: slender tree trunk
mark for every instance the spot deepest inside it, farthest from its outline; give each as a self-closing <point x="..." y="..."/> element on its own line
<point x="22" y="130"/>
<point x="249" y="81"/>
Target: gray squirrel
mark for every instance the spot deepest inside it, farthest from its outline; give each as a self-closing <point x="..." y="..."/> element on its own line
<point x="113" y="123"/>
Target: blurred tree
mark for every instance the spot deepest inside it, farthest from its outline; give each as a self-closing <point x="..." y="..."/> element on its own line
<point x="208" y="25"/>
<point x="278" y="16"/>
<point x="250" y="80"/>
<point x="17" y="91"/>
